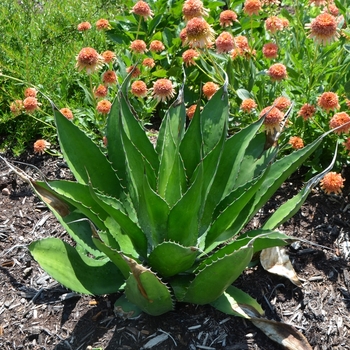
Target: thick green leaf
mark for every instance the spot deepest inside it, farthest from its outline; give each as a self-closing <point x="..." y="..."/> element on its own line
<point x="85" y="159"/>
<point x="235" y="302"/>
<point x="125" y="309"/>
<point x="213" y="280"/>
<point x="170" y="258"/>
<point x="75" y="271"/>
<point x="153" y="214"/>
<point x="144" y="289"/>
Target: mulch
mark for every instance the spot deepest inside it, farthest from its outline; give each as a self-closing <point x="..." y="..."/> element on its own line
<point x="38" y="313"/>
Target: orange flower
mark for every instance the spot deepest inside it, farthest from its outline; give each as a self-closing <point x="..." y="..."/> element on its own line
<point x="30" y="92"/>
<point x="270" y="50"/>
<point x="282" y="103"/>
<point x="339" y="119"/>
<point x="40" y="146"/>
<point x="224" y="43"/>
<point x="89" y="59"/>
<point x="67" y="113"/>
<point x="227" y="18"/>
<point x="190" y="111"/>
<point x="148" y="62"/>
<point x="135" y="71"/>
<point x="192" y="9"/>
<point x="252" y="7"/>
<point x="328" y="101"/>
<point x="199" y="33"/>
<point x="83" y="26"/>
<point x="241" y="42"/>
<point x="103" y="106"/>
<point x="273" y="118"/>
<point x="318" y="2"/>
<point x="109" y="77"/>
<point x="307" y="111"/>
<point x="163" y="89"/>
<point x="273" y="24"/>
<point x="30" y="104"/>
<point x="156" y="46"/>
<point x="101" y="91"/>
<point x="248" y="105"/>
<point x="189" y="56"/>
<point x="332" y="182"/>
<point x="16" y="107"/>
<point x="296" y="142"/>
<point x="108" y="56"/>
<point x="139" y="88"/>
<point x="141" y="8"/>
<point x="277" y="72"/>
<point x="323" y="29"/>
<point x="209" y="89"/>
<point x="102" y="24"/>
<point x="138" y="46"/>
<point x="183" y="36"/>
<point x="332" y="9"/>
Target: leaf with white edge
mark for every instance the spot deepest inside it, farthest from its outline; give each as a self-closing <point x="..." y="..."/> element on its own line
<point x="170" y="258"/>
<point x="276" y="260"/>
<point x="147" y="291"/>
<point x="76" y="271"/>
<point x="214" y="279"/>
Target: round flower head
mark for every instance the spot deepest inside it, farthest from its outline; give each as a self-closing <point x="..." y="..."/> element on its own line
<point x="16" y="107"/>
<point x="148" y="62"/>
<point x="296" y="142"/>
<point x="156" y="46"/>
<point x="332" y="9"/>
<point x="139" y="88"/>
<point x="30" y="104"/>
<point x="89" y="59"/>
<point x="252" y="7"/>
<point x="183" y="36"/>
<point x="339" y="119"/>
<point x="285" y="22"/>
<point x="101" y="91"/>
<point x="277" y="72"/>
<point x="273" y="24"/>
<point x="108" y="56"/>
<point x="332" y="183"/>
<point x="163" y="89"/>
<point x="83" y="26"/>
<point x="109" y="77"/>
<point x="67" y="113"/>
<point x="102" y="24"/>
<point x="141" y="8"/>
<point x="138" y="46"/>
<point x="103" y="106"/>
<point x="40" y="146"/>
<point x="307" y="111"/>
<point x="199" y="33"/>
<point x="224" y="42"/>
<point x="190" y="111"/>
<point x="328" y="101"/>
<point x="273" y="118"/>
<point x="189" y="56"/>
<point x="135" y="71"/>
<point x="227" y="18"/>
<point x="248" y="105"/>
<point x="270" y="50"/>
<point x="241" y="42"/>
<point x="209" y="89"/>
<point x="30" y="92"/>
<point x="282" y="103"/>
<point x="192" y="9"/>
<point x="323" y="29"/>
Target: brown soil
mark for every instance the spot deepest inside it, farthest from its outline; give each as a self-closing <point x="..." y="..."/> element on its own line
<point x="38" y="313"/>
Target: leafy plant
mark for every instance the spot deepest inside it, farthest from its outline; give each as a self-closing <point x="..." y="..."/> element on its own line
<point x="165" y="223"/>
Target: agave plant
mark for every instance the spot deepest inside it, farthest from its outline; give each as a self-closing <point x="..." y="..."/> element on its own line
<point x="164" y="223"/>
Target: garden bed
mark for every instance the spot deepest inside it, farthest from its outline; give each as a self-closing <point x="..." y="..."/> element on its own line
<point x="38" y="313"/>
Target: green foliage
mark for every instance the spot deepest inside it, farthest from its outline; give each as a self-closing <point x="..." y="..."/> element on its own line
<point x="165" y="221"/>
